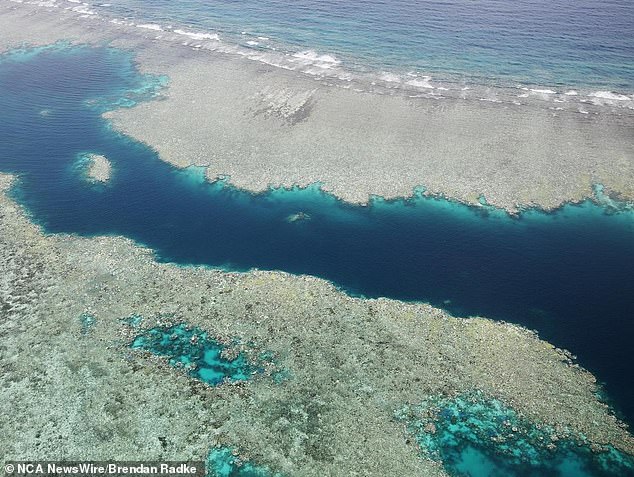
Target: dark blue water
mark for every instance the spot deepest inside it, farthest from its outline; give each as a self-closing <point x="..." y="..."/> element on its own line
<point x="568" y="274"/>
<point x="580" y="43"/>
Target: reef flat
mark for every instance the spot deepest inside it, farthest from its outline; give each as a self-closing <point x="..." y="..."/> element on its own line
<point x="266" y="128"/>
<point x="98" y="169"/>
<point x="73" y="388"/>
<point x="260" y="126"/>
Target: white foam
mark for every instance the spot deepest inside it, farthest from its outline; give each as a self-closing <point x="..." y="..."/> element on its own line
<point x="543" y="91"/>
<point x="252" y="43"/>
<point x="83" y="8"/>
<point x="198" y="36"/>
<point x="116" y="21"/>
<point x="421" y="82"/>
<point x="389" y="77"/>
<point x="48" y="4"/>
<point x="312" y="58"/>
<point x="150" y="26"/>
<point x="610" y="95"/>
<point x="346" y="76"/>
<point x="265" y="58"/>
<point x="572" y="92"/>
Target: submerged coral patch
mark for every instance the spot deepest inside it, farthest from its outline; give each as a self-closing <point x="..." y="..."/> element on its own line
<point x="475" y="436"/>
<point x="192" y="349"/>
<point x="94" y="168"/>
<point x="87" y="321"/>
<point x="224" y="462"/>
<point x="133" y="320"/>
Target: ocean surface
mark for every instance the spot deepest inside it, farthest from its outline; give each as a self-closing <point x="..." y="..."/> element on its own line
<point x="545" y="42"/>
<point x="558" y="52"/>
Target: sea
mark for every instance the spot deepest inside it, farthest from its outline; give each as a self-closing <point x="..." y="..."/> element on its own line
<point x="558" y="52"/>
<point x="568" y="274"/>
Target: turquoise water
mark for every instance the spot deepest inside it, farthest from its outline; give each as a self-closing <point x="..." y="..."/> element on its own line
<point x="87" y="321"/>
<point x="538" y="42"/>
<point x="566" y="274"/>
<point x="192" y="349"/>
<point x="479" y="437"/>
<point x="222" y="463"/>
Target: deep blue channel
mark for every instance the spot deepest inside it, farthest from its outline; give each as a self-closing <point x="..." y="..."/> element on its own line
<point x="567" y="274"/>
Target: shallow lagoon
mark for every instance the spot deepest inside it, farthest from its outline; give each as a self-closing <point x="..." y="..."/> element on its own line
<point x="192" y="349"/>
<point x="222" y="463"/>
<point x="475" y="436"/>
<point x="566" y="274"/>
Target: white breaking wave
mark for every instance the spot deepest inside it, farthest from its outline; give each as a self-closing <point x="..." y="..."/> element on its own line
<point x="84" y="8"/>
<point x="610" y="95"/>
<point x="198" y="36"/>
<point x="543" y="91"/>
<point x="389" y="77"/>
<point x="150" y="26"/>
<point x="421" y="82"/>
<point x="312" y="58"/>
<point x="572" y="92"/>
<point x="116" y="21"/>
